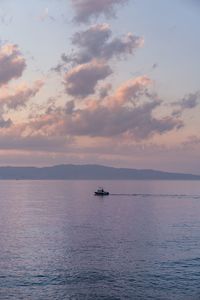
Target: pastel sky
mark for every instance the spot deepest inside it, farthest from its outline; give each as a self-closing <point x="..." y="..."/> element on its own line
<point x="112" y="82"/>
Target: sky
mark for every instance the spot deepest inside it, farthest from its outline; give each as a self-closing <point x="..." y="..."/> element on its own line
<point x="111" y="82"/>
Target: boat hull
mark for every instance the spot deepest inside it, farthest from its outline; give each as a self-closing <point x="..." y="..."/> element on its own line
<point x="101" y="193"/>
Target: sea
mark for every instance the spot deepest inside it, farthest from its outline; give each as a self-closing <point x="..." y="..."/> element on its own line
<point x="58" y="241"/>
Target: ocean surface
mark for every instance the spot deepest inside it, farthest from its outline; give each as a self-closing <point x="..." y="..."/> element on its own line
<point x="58" y="241"/>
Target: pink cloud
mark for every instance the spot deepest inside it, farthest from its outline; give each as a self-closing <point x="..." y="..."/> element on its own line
<point x="131" y="90"/>
<point x="19" y="95"/>
<point x="116" y="115"/>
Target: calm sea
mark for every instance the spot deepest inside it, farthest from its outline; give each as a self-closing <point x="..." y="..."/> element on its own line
<point x="58" y="241"/>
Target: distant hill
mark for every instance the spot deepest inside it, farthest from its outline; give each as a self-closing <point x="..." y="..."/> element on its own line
<point x="70" y="172"/>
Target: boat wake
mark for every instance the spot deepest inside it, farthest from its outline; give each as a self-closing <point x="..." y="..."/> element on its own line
<point x="157" y="195"/>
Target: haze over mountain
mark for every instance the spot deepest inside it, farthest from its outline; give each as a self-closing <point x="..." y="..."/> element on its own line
<point x="92" y="172"/>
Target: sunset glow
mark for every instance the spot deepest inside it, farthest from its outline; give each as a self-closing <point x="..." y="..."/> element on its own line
<point x="113" y="82"/>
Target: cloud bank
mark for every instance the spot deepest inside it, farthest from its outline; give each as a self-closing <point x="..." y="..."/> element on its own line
<point x="129" y="111"/>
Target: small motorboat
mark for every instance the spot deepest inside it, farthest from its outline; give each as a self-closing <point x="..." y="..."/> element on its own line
<point x="101" y="192"/>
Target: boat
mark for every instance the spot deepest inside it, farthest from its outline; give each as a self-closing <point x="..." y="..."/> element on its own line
<point x="101" y="192"/>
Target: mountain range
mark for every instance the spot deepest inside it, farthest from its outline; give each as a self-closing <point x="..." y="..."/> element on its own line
<point x="92" y="172"/>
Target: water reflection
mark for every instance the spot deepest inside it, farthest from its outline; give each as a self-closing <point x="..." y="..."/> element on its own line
<point x="58" y="241"/>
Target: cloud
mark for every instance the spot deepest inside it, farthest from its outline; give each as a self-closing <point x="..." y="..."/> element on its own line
<point x="70" y="106"/>
<point x="126" y="115"/>
<point x="85" y="10"/>
<point x="46" y="125"/>
<point x="82" y="80"/>
<point x="191" y="141"/>
<point x="89" y="63"/>
<point x="12" y="64"/>
<point x="131" y="90"/>
<point x="19" y="96"/>
<point x="103" y="121"/>
<point x="104" y="90"/>
<point x="5" y="123"/>
<point x="119" y="118"/>
<point x="190" y="101"/>
<point x="96" y="42"/>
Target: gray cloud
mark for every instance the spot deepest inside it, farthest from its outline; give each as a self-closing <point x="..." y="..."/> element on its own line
<point x="96" y="42"/>
<point x="5" y="123"/>
<point x="137" y="122"/>
<point x="89" y="66"/>
<point x="85" y="10"/>
<point x="190" y="101"/>
<point x="12" y="64"/>
<point x="104" y="90"/>
<point x="81" y="81"/>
